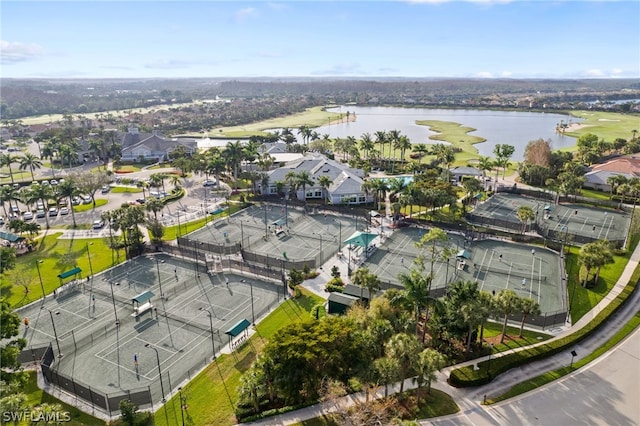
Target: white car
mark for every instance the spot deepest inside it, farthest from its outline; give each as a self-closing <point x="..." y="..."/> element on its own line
<point x="27" y="216"/>
<point x="41" y="214"/>
<point x="64" y="211"/>
<point x="53" y="211"/>
<point x="98" y="224"/>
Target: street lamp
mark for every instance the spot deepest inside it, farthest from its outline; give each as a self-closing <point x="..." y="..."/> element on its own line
<point x="55" y="333"/>
<point x="40" y="276"/>
<point x="321" y="256"/>
<point x="213" y="342"/>
<point x="489" y="363"/>
<point x="148" y="345"/>
<point x="159" y="279"/>
<point x="339" y="235"/>
<point x="181" y="405"/>
<point x="179" y="230"/>
<point x="113" y="300"/>
<point x="195" y="265"/>
<point x="89" y="257"/>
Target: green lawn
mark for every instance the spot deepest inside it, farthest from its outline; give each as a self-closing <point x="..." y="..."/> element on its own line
<point x="86" y="207"/>
<point x="492" y="329"/>
<point x="582" y="300"/>
<point x="125" y="190"/>
<point x="209" y="395"/>
<point x="36" y="396"/>
<point x="126" y="168"/>
<point x="607" y="125"/>
<point x="457" y="135"/>
<point x="54" y="256"/>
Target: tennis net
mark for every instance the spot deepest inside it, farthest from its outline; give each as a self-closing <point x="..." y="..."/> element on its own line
<point x="512" y="272"/>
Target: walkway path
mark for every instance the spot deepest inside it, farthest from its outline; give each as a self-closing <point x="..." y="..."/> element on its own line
<point x="472" y="412"/>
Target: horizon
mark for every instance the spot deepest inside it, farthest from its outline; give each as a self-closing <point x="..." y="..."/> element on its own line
<point x="428" y="39"/>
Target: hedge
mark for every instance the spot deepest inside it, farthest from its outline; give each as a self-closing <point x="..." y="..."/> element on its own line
<point x="467" y="376"/>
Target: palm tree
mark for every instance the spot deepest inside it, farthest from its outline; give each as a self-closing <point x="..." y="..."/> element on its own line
<point x="42" y="193"/>
<point x="404" y="144"/>
<point x="30" y="161"/>
<point x="614" y="182"/>
<point x="381" y="138"/>
<point x="387" y="370"/>
<point x="8" y="160"/>
<point x="506" y="303"/>
<point x="302" y="180"/>
<point x="174" y="180"/>
<point x="324" y="182"/>
<point x="528" y="307"/>
<point x="485" y="164"/>
<point x="525" y="214"/>
<point x="420" y="149"/>
<point x="377" y="187"/>
<point x="417" y="286"/>
<point x="403" y="348"/>
<point x="445" y="155"/>
<point x="69" y="190"/>
<point x="366" y="144"/>
<point x="429" y="362"/>
<point x="291" y="178"/>
<point x="365" y="279"/>
<point x="233" y="156"/>
<point x="154" y="205"/>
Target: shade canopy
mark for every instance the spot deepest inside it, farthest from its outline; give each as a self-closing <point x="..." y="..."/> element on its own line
<point x="362" y="239"/>
<point x="12" y="238"/>
<point x="464" y="254"/>
<point x="143" y="297"/>
<point x="69" y="273"/>
<point x="241" y="326"/>
<point x="278" y="222"/>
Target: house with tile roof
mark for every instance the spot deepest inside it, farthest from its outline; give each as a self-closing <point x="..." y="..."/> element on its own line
<point x="627" y="166"/>
<point x="346" y="182"/>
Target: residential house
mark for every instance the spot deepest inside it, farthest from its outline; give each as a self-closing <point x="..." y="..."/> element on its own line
<point x="459" y="173"/>
<point x="627" y="166"/>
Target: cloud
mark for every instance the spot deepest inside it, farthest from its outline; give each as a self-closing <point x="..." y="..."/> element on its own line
<point x="506" y="74"/>
<point x="594" y="73"/>
<point x="245" y="13"/>
<point x="14" y="52"/>
<point x="484" y="74"/>
<point x="277" y="6"/>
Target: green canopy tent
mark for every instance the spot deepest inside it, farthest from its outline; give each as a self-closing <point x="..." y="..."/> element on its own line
<point x="361" y="239"/>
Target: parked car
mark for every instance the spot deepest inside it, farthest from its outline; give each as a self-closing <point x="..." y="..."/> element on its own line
<point x="54" y="182"/>
<point x="105" y="189"/>
<point x="40" y="214"/>
<point x="86" y="199"/>
<point x="64" y="211"/>
<point x="53" y="211"/>
<point x="98" y="224"/>
<point x="27" y="216"/>
<point x="1" y="221"/>
<point x="209" y="182"/>
<point x="76" y="200"/>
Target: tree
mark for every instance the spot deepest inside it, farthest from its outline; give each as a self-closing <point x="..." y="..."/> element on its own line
<point x="403" y="348"/>
<point x="11" y="373"/>
<point x="506" y="303"/>
<point x="387" y="370"/>
<point x="538" y="152"/>
<point x="365" y="279"/>
<point x="525" y="214"/>
<point x="528" y="307"/>
<point x="429" y="362"/>
<point x="324" y="182"/>
<point x="128" y="411"/>
<point x="7" y="258"/>
<point x="8" y="160"/>
<point x="68" y="190"/>
<point x="377" y="187"/>
<point x="31" y="162"/>
<point x="303" y="179"/>
<point x="471" y="186"/>
<point x="503" y="153"/>
<point x="89" y="182"/>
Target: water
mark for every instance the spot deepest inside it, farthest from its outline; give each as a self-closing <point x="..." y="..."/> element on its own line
<point x="497" y="127"/>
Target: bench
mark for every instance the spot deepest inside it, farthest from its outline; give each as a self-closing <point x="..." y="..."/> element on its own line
<point x="142" y="309"/>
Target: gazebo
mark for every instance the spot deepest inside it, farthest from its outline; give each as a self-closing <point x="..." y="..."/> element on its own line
<point x="359" y="239"/>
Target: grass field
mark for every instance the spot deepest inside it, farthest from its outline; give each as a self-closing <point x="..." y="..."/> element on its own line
<point x="53" y="256"/>
<point x="86" y="207"/>
<point x="607" y="125"/>
<point x="457" y="135"/>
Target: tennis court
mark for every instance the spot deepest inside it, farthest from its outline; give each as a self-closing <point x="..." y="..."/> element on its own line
<point x="275" y="231"/>
<point x="565" y="221"/>
<point x="495" y="264"/>
<point x="183" y="326"/>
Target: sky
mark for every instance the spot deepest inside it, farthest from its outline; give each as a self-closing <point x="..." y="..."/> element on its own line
<point x="394" y="38"/>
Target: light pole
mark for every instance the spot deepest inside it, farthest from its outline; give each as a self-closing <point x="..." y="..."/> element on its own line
<point x="159" y="279"/>
<point x="181" y="405"/>
<point x="489" y="363"/>
<point x="321" y="256"/>
<point x="340" y="236"/>
<point x="89" y="257"/>
<point x="253" y="315"/>
<point x="113" y="300"/>
<point x="179" y="230"/>
<point x="40" y="276"/>
<point x="195" y="265"/>
<point x="148" y="345"/>
<point x="55" y="333"/>
<point x="241" y="234"/>
<point x="213" y="342"/>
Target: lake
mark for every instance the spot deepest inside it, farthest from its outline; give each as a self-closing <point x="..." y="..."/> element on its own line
<point x="497" y="127"/>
